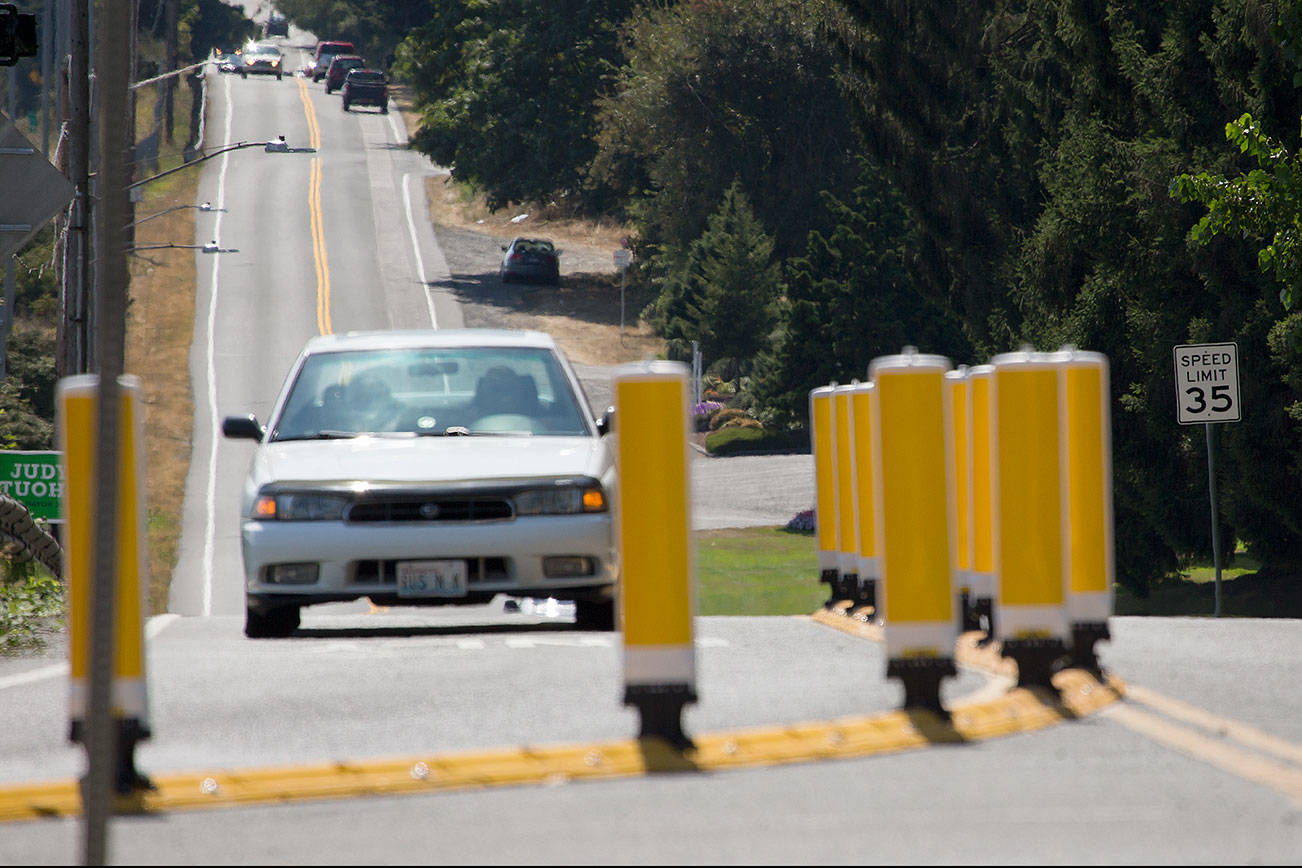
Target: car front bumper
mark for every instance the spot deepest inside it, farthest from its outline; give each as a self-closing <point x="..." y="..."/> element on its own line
<point x="359" y="560"/>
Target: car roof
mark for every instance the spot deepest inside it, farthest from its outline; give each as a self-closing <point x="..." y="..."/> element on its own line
<point x="433" y="338"/>
<point x="339" y="57"/>
<point x="333" y="44"/>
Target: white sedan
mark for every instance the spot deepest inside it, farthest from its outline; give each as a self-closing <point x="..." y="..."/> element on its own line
<point x="427" y="468"/>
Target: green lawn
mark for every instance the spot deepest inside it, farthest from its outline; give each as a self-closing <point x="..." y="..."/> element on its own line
<point x="757" y="571"/>
<point x="769" y="571"/>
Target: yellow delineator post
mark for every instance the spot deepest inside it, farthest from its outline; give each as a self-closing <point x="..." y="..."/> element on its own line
<point x="912" y="508"/>
<point x="657" y="596"/>
<point x="981" y="576"/>
<point x="847" y="531"/>
<point x="870" y="567"/>
<point x="1031" y="615"/>
<point x="1085" y="421"/>
<point x="76" y="415"/>
<point x="822" y="422"/>
<point x="958" y="394"/>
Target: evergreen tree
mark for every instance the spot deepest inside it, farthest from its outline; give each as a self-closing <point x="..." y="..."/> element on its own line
<point x="724" y="295"/>
<point x="848" y="300"/>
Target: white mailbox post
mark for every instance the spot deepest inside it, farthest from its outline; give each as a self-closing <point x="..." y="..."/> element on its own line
<point x="1207" y="391"/>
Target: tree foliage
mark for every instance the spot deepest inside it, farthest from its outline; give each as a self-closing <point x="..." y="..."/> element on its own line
<point x="717" y="92"/>
<point x="506" y="92"/>
<point x="724" y="294"/>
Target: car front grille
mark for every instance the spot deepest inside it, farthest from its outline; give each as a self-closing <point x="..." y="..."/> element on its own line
<point x="384" y="572"/>
<point x="432" y="510"/>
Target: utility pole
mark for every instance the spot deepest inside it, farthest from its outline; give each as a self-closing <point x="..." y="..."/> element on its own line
<point x="116" y="22"/>
<point x="76" y="283"/>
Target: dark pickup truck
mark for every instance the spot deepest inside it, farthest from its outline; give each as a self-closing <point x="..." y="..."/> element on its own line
<point x="366" y="87"/>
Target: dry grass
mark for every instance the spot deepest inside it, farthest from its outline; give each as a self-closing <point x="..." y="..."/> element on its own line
<point x="160" y="328"/>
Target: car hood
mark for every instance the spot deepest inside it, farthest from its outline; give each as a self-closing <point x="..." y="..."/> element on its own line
<point x="430" y="459"/>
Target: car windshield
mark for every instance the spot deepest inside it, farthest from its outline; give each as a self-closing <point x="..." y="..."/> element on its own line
<point x="430" y="392"/>
<point x="366" y="77"/>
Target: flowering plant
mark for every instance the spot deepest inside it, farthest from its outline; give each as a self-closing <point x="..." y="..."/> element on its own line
<point x="802" y="521"/>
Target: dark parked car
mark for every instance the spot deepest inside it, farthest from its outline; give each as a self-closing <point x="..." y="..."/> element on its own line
<point x="366" y="87"/>
<point x="531" y="260"/>
<point x="277" y="25"/>
<point x="339" y="69"/>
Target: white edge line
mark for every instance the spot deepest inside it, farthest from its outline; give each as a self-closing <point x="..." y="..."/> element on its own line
<point x="415" y="249"/>
<point x="210" y="375"/>
<point x="153" y="627"/>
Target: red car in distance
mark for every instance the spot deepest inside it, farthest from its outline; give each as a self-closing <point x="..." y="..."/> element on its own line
<point x="339" y="69"/>
<point x="325" y="52"/>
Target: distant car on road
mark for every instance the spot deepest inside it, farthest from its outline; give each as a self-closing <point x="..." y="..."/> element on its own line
<point x="277" y="25"/>
<point x="325" y="52"/>
<point x="426" y="468"/>
<point x="340" y="65"/>
<point x="227" y="59"/>
<point x="530" y="259"/>
<point x="366" y="87"/>
<point x="262" y="59"/>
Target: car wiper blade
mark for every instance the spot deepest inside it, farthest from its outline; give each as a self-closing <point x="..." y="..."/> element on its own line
<point x="450" y="431"/>
<point x="321" y="435"/>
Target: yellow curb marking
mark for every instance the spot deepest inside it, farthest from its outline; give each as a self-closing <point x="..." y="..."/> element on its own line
<point x="1020" y="709"/>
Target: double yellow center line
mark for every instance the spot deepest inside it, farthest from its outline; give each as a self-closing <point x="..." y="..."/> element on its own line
<point x="319" y="257"/>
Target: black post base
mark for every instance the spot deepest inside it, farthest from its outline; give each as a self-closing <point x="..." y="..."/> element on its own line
<point x="830" y="577"/>
<point x="847" y="586"/>
<point x="1037" y="660"/>
<point x="127" y="778"/>
<point x="921" y="679"/>
<point x="867" y="593"/>
<point x="983" y="609"/>
<point x="1083" y="636"/>
<point x="661" y="710"/>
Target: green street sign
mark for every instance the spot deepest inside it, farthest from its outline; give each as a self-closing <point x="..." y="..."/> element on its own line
<point x="34" y="479"/>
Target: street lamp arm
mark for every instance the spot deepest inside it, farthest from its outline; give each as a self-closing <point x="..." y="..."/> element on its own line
<point x="276" y="145"/>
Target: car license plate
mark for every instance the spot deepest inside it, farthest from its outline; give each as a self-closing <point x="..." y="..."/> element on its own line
<point x="431" y="578"/>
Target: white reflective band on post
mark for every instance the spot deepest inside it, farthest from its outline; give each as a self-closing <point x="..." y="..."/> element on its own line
<point x="652" y="664"/>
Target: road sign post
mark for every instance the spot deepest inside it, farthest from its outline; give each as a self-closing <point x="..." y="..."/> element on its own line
<point x="1207" y="391"/>
<point x="622" y="259"/>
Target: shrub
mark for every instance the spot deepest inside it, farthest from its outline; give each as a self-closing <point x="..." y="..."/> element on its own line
<point x="759" y="441"/>
<point x="724" y="416"/>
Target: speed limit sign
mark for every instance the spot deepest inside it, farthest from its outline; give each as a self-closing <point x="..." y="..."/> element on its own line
<point x="1207" y="383"/>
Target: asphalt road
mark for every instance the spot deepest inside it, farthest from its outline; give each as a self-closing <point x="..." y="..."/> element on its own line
<point x="1201" y="763"/>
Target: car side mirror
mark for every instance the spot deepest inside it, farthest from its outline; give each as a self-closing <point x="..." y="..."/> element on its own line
<point x="242" y="428"/>
<point x="606" y="423"/>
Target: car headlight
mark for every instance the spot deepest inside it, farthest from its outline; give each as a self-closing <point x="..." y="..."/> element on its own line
<point x="300" y="507"/>
<point x="560" y="500"/>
